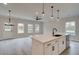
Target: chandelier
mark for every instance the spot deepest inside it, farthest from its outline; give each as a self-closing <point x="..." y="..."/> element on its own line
<point x="9" y="23"/>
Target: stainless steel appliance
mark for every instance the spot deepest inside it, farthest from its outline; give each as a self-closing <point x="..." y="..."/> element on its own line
<point x="67" y="41"/>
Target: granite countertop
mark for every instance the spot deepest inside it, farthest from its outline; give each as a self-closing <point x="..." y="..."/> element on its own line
<point x="45" y="38"/>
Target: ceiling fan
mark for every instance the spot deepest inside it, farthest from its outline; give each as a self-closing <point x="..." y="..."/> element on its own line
<point x="37" y="17"/>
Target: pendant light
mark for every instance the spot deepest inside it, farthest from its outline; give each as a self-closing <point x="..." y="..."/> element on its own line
<point x="9" y="23"/>
<point x="58" y="15"/>
<point x="51" y="12"/>
<point x="43" y="12"/>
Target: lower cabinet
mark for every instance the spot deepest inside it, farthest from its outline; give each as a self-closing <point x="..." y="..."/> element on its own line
<point x="48" y="50"/>
<point x="54" y="47"/>
<point x="62" y="44"/>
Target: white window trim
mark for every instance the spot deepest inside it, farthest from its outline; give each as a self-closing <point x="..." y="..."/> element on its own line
<point x="18" y="28"/>
<point x="30" y="28"/>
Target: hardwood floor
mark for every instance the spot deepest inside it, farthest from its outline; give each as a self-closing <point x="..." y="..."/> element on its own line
<point x="73" y="50"/>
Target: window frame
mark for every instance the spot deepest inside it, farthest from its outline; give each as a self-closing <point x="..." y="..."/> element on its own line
<point x="37" y="28"/>
<point x="19" y="26"/>
<point x="71" y="32"/>
<point x="30" y="28"/>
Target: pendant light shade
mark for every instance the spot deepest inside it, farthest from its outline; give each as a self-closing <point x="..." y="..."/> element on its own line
<point x="58" y="15"/>
<point x="51" y="12"/>
<point x="43" y="12"/>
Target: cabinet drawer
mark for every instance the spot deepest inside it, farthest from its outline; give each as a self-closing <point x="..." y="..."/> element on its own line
<point x="50" y="43"/>
<point x="51" y="49"/>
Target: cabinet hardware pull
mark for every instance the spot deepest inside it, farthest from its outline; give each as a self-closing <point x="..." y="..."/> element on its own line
<point x="63" y="42"/>
<point x="53" y="48"/>
<point x="49" y="44"/>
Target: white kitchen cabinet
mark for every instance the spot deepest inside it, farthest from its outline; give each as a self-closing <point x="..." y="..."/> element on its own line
<point x="62" y="44"/>
<point x="51" y="47"/>
<point x="37" y="48"/>
<point x="55" y="49"/>
<point x="48" y="50"/>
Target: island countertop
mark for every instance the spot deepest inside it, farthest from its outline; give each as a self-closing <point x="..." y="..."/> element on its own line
<point x="45" y="38"/>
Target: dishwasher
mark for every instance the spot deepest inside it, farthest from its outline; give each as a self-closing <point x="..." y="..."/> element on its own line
<point x="67" y="41"/>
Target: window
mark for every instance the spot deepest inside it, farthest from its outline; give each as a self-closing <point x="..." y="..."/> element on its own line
<point x="70" y="28"/>
<point x="7" y="28"/>
<point x="20" y="28"/>
<point x="30" y="28"/>
<point x="36" y="28"/>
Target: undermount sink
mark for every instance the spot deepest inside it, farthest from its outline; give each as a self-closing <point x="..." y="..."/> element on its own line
<point x="57" y="35"/>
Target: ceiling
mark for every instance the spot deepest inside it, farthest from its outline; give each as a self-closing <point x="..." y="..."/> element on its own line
<point x="28" y="10"/>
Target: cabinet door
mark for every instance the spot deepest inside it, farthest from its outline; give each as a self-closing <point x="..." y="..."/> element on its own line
<point x="48" y="49"/>
<point x="52" y="49"/>
<point x="55" y="49"/>
<point x="37" y="48"/>
<point x="62" y="44"/>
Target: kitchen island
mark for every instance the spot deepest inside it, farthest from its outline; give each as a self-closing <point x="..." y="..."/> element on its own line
<point x="48" y="44"/>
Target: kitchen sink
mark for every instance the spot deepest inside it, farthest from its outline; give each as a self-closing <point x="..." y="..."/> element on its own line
<point x="57" y="35"/>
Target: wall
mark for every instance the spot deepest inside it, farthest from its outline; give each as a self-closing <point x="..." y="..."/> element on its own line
<point x="60" y="25"/>
<point x="76" y="19"/>
<point x="15" y="21"/>
<point x="47" y="28"/>
<point x="49" y="25"/>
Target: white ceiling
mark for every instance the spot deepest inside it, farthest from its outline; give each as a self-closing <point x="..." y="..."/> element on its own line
<point x="27" y="10"/>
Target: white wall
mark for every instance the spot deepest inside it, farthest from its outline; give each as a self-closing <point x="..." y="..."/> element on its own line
<point x="76" y="19"/>
<point x="48" y="26"/>
<point x="60" y="25"/>
<point x="15" y="21"/>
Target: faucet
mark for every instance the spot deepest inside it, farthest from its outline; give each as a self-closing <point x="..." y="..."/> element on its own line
<point x="54" y="29"/>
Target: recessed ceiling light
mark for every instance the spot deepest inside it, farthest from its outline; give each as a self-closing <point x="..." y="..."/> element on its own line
<point x="5" y="3"/>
